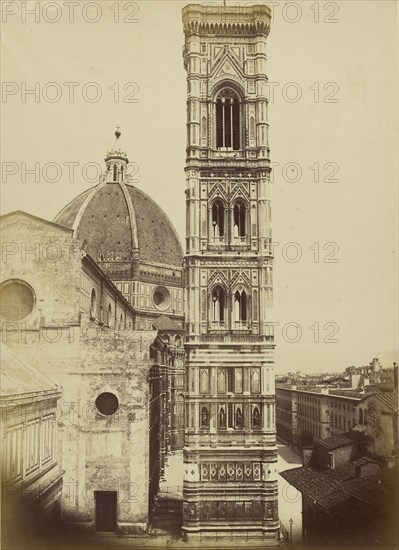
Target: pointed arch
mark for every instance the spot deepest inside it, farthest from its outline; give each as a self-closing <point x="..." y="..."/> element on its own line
<point x="221" y="381"/>
<point x="240" y="220"/>
<point x="217" y="312"/>
<point x="228" y="119"/>
<point x="218" y="219"/>
<point x="204" y="381"/>
<point x="240" y="309"/>
<point x="255" y="381"/>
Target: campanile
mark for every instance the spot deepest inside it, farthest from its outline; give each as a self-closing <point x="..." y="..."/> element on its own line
<point x="230" y="459"/>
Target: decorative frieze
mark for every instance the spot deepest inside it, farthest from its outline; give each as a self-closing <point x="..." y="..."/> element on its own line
<point x="230" y="471"/>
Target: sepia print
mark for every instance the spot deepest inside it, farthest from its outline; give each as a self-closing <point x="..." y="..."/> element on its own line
<point x="198" y="265"/>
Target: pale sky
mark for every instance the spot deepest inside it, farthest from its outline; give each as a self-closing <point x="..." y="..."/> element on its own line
<point x="344" y="73"/>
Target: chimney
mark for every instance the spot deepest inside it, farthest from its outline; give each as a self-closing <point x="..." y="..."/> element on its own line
<point x="307" y="453"/>
<point x="367" y="468"/>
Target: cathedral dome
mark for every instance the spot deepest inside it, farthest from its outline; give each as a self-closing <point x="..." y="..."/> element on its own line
<point x="115" y="221"/>
<point x="119" y="223"/>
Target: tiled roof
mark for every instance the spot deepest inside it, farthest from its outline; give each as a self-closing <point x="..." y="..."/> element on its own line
<point x="164" y="322"/>
<point x="318" y="484"/>
<point x="13" y="216"/>
<point x="375" y="489"/>
<point x="105" y="223"/>
<point x="19" y="378"/>
<point x="390" y="399"/>
<point x="324" y="486"/>
<point x="341" y="440"/>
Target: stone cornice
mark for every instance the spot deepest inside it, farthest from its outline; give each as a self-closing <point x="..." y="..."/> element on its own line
<point x="226" y="20"/>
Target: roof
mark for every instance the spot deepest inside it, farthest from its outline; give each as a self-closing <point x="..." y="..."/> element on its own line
<point x="21" y="214"/>
<point x="389" y="399"/>
<point x="373" y="489"/>
<point x="341" y="440"/>
<point x="325" y="487"/>
<point x="317" y="484"/>
<point x="167" y="324"/>
<point x="116" y="218"/>
<point x="18" y="377"/>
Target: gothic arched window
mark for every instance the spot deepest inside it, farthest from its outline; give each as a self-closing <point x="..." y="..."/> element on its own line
<point x="217" y="219"/>
<point x="228" y="120"/>
<point x="240" y="309"/>
<point x="218" y="306"/>
<point x="115" y="173"/>
<point x="239" y="220"/>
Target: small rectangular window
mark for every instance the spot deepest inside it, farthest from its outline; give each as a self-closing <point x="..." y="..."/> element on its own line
<point x="230" y="415"/>
<point x="230" y="379"/>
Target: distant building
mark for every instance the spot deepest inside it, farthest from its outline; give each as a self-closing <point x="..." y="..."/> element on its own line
<point x="378" y="420"/>
<point x="302" y="413"/>
<point x="287" y="415"/>
<point x="342" y="411"/>
<point x="308" y="411"/>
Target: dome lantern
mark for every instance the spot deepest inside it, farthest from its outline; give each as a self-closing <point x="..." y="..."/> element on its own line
<point x="116" y="161"/>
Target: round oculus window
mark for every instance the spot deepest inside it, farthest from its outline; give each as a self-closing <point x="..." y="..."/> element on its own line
<point x="161" y="298"/>
<point x="17" y="300"/>
<point x="107" y="403"/>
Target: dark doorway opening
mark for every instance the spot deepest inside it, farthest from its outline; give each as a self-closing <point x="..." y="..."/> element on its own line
<point x="106" y="510"/>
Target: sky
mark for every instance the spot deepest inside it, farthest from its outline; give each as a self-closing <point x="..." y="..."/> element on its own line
<point x="332" y="71"/>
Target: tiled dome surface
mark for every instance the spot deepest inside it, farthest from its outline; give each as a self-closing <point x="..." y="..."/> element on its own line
<point x="106" y="226"/>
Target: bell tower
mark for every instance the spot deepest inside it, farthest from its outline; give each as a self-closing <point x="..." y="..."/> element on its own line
<point x="230" y="459"/>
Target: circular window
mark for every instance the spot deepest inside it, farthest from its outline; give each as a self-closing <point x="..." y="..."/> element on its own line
<point x="17" y="300"/>
<point x="161" y="298"/>
<point x="107" y="403"/>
